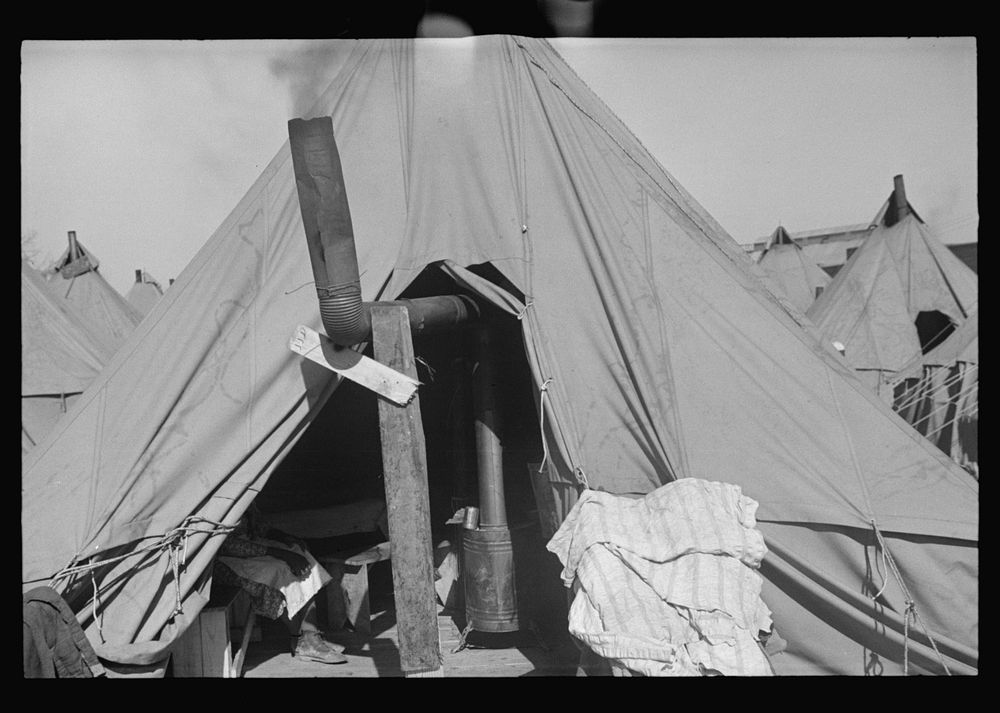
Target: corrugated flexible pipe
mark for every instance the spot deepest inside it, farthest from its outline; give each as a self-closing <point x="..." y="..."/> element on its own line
<point x="326" y="216"/>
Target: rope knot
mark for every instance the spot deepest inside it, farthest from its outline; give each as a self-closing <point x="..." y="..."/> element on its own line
<point x="524" y="310"/>
<point x="542" y="391"/>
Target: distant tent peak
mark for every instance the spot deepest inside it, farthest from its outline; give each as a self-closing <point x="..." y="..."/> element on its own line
<point x="144" y="278"/>
<point x="144" y="293"/>
<point x="780" y="236"/>
<point x="86" y="287"/>
<point x="75" y="260"/>
<point x="791" y="273"/>
<point x="896" y="206"/>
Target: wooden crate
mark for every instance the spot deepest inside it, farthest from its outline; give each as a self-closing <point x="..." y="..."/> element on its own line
<point x="205" y="650"/>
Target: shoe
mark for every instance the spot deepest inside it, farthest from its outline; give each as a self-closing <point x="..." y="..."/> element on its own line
<point x="323" y="637"/>
<point x="312" y="647"/>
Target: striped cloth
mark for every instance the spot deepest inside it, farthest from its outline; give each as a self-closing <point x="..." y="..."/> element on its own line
<point x="667" y="585"/>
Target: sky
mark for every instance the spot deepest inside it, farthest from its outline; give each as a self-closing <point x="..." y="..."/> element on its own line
<point x="144" y="147"/>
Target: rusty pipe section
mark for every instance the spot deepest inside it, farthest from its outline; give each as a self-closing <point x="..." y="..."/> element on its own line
<point x="74" y="247"/>
<point x="429" y="315"/>
<point x="899" y="196"/>
<point x="326" y="217"/>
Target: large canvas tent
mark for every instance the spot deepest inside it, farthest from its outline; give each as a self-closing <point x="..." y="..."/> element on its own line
<point x="653" y="348"/>
<point x="60" y="355"/>
<point x="795" y="275"/>
<point x="75" y="277"/>
<point x="899" y="290"/>
<point x="939" y="394"/>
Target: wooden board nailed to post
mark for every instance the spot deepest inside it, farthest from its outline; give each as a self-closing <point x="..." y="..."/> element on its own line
<point x="383" y="380"/>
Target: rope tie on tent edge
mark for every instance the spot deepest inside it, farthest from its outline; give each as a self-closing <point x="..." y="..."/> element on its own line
<point x="907" y="613"/>
<point x="175" y="541"/>
<point x="98" y="617"/>
<point x="175" y="568"/>
<point x="542" y="390"/>
<point x="524" y="311"/>
<point x="885" y="580"/>
<point x="911" y="608"/>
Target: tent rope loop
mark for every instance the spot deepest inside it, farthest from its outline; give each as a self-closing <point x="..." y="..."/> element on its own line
<point x="524" y="311"/>
<point x="98" y="617"/>
<point x="175" y="567"/>
<point x="909" y="611"/>
<point x="911" y="607"/>
<point x="582" y="478"/>
<point x="168" y="540"/>
<point x="542" y="390"/>
<point x="885" y="579"/>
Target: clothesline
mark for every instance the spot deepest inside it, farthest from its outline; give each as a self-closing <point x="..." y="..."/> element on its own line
<point x="921" y="393"/>
<point x="946" y="405"/>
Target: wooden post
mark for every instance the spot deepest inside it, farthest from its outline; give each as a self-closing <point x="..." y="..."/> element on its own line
<point x="404" y="462"/>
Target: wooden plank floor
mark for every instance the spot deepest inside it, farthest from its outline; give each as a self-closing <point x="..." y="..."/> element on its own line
<point x="509" y="655"/>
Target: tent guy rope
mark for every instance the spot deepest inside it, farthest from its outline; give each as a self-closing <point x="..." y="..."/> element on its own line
<point x="911" y="608"/>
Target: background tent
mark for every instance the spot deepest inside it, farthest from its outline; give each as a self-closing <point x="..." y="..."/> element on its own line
<point x="897" y="297"/>
<point x="938" y="394"/>
<point x="786" y="264"/>
<point x="60" y="355"/>
<point x="144" y="293"/>
<point x="75" y="278"/>
<point x="654" y="340"/>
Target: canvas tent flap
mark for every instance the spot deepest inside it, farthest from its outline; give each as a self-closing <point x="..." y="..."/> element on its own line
<point x="645" y="328"/>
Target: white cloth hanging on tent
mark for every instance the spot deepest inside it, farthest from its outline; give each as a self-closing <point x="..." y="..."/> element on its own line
<point x="667" y="585"/>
